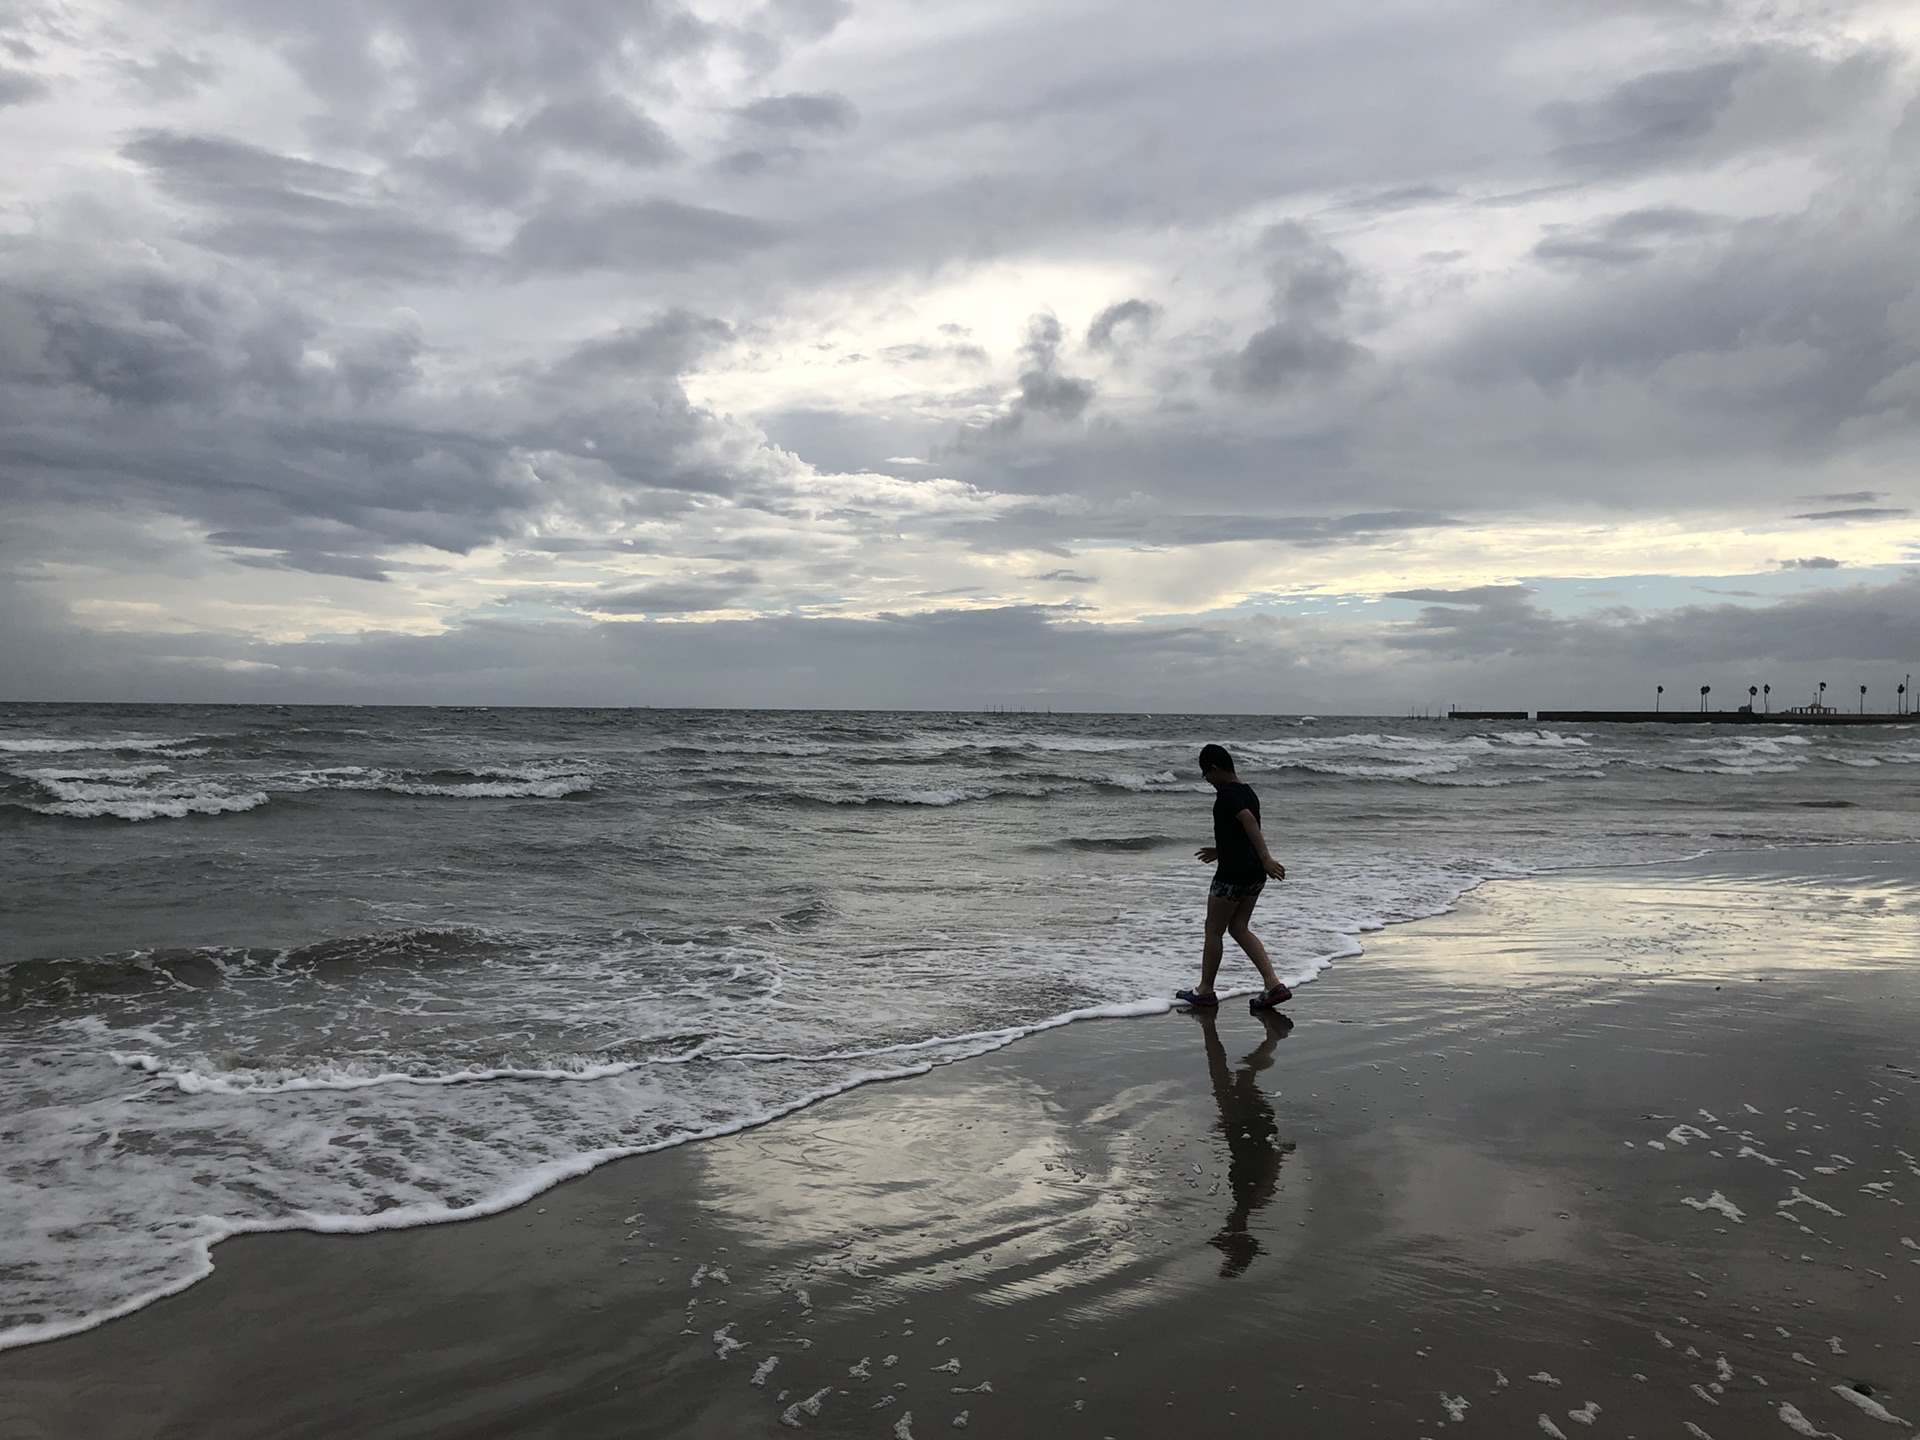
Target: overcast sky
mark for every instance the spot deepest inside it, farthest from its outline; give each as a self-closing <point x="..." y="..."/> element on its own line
<point x="1105" y="355"/>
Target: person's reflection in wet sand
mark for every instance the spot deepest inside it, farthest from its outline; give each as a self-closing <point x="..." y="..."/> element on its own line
<point x="1254" y="1156"/>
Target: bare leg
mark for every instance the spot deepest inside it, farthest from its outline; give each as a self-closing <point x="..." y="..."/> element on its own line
<point x="1219" y="916"/>
<point x="1239" y="926"/>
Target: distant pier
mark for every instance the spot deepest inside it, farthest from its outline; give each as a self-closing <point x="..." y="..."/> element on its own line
<point x="1742" y="716"/>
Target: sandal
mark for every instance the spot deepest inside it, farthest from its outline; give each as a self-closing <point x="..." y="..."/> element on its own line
<point x="1267" y="999"/>
<point x="1197" y="997"/>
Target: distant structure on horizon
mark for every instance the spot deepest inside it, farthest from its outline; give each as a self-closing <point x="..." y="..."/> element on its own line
<point x="1815" y="712"/>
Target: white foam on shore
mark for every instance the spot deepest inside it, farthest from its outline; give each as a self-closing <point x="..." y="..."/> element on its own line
<point x="1791" y="1417"/>
<point x="1868" y="1406"/>
<point x="1800" y="1197"/>
<point x="1719" y="1202"/>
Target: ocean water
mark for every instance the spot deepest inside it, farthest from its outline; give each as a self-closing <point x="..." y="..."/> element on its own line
<point x="343" y="968"/>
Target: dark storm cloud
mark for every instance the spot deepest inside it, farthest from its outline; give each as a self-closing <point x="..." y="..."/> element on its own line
<point x="299" y="445"/>
<point x="1311" y="284"/>
<point x="828" y="113"/>
<point x="638" y="236"/>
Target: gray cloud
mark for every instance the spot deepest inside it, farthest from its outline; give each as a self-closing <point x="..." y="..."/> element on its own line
<point x="19" y="87"/>
<point x="674" y="597"/>
<point x="1306" y="531"/>
<point x="1623" y="239"/>
<point x="1137" y="316"/>
<point x="1857" y="512"/>
<point x="668" y="345"/>
<point x="917" y="354"/>
<point x="1502" y="655"/>
<point x="1643" y="119"/>
<point x="638" y="236"/>
<point x="1400" y="197"/>
<point x="1480" y="595"/>
<point x="598" y="124"/>
<point x="1311" y="284"/>
<point x="171" y="74"/>
<point x="821" y="114"/>
<point x="314" y="562"/>
<point x="451" y="289"/>
<point x="1857" y="625"/>
<point x="1811" y="562"/>
<point x="283" y="208"/>
<point x="1045" y="391"/>
<point x="297" y="445"/>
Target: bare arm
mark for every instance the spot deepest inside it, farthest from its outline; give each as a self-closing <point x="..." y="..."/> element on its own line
<point x="1252" y="826"/>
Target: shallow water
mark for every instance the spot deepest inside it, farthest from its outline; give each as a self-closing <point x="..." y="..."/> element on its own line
<point x="345" y="968"/>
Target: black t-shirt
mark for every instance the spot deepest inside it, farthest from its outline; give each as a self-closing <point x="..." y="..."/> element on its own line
<point x="1238" y="861"/>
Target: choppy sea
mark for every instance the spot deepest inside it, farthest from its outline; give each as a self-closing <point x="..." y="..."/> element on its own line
<point x="345" y="968"/>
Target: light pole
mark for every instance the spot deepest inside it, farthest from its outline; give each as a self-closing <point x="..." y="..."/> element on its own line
<point x="1901" y="695"/>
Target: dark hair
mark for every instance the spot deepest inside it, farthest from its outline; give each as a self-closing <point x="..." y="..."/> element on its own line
<point x="1215" y="757"/>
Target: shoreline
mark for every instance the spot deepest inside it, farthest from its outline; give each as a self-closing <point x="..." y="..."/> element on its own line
<point x="533" y="1185"/>
<point x="1491" y="971"/>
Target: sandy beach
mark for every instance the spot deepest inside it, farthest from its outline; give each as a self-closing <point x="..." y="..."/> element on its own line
<point x="1625" y="1152"/>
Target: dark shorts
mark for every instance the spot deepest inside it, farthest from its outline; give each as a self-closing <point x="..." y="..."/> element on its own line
<point x="1228" y="890"/>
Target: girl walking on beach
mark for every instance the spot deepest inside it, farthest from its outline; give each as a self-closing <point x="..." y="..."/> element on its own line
<point x="1242" y="864"/>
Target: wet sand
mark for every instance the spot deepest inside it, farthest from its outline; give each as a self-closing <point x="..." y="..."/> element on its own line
<point x="1626" y="1153"/>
